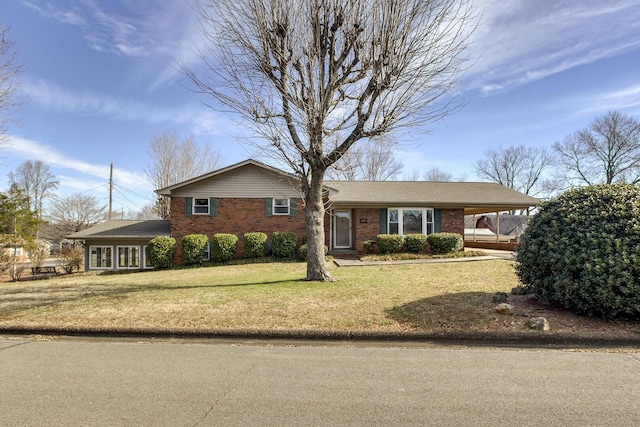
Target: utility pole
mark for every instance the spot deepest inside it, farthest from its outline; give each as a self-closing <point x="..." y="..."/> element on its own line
<point x="110" y="190"/>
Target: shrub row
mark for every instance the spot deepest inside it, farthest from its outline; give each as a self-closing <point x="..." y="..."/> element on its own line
<point x="161" y="250"/>
<point x="439" y="243"/>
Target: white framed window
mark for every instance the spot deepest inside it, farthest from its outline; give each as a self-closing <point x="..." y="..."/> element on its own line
<point x="201" y="206"/>
<point x="281" y="207"/>
<point x="101" y="257"/>
<point x="410" y="221"/>
<point x="128" y="257"/>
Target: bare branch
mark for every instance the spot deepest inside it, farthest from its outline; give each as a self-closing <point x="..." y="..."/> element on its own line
<point x="9" y="70"/>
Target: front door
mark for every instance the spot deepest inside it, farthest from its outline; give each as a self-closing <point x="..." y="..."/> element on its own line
<point x="342" y="229"/>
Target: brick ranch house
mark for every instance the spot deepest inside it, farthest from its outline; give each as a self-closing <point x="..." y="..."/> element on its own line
<point x="252" y="196"/>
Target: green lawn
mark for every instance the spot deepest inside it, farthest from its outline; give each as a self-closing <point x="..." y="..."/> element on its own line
<point x="386" y="298"/>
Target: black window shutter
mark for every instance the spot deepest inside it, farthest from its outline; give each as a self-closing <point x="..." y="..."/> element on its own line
<point x="188" y="206"/>
<point x="383" y="221"/>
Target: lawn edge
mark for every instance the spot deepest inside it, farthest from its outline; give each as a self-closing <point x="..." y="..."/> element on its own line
<point x="528" y="339"/>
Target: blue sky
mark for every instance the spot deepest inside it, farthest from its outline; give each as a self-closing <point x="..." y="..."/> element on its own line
<point x="101" y="78"/>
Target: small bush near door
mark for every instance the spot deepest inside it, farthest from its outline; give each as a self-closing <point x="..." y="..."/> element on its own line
<point x="389" y="243"/>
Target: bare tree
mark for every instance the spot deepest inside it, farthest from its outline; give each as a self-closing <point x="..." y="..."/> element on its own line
<point x="517" y="167"/>
<point x="37" y="183"/>
<point x="148" y="211"/>
<point x="173" y="160"/>
<point x="606" y="152"/>
<point x="436" y="174"/>
<point x="9" y="69"/>
<point x="74" y="213"/>
<point x="312" y="78"/>
<point x="372" y="161"/>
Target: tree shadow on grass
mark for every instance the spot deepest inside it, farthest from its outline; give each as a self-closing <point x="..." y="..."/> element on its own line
<point x="20" y="296"/>
<point x="459" y="311"/>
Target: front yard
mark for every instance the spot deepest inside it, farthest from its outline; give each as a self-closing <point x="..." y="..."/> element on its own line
<point x="427" y="298"/>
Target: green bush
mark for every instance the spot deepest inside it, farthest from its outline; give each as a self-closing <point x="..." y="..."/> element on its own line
<point x="368" y="246"/>
<point x="582" y="251"/>
<point x="223" y="247"/>
<point x="302" y="252"/>
<point x="255" y="245"/>
<point x="389" y="243"/>
<point x="444" y="243"/>
<point x="415" y="242"/>
<point x="194" y="248"/>
<point x="160" y="252"/>
<point x="283" y="244"/>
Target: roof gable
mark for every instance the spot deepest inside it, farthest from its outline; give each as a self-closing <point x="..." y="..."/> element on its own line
<point x="247" y="175"/>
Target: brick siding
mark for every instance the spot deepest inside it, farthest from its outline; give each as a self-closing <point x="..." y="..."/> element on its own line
<point x="234" y="216"/>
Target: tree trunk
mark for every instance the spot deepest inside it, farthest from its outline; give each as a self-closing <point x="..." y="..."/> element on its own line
<point x="316" y="262"/>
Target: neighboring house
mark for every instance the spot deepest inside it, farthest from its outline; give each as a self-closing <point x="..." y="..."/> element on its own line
<point x="251" y="196"/>
<point x="18" y="250"/>
<point x="119" y="244"/>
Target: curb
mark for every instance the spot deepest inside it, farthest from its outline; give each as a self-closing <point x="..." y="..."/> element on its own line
<point x="531" y="339"/>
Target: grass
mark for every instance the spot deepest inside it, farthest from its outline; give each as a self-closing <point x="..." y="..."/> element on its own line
<point x="429" y="298"/>
<point x="261" y="296"/>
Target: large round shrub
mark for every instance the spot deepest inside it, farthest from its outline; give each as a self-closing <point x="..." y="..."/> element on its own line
<point x="582" y="251"/>
<point x="445" y="243"/>
<point x="160" y="252"/>
<point x="194" y="248"/>
<point x="223" y="247"/>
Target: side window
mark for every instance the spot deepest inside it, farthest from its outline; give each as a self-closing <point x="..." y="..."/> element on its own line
<point x="281" y="206"/>
<point x="201" y="206"/>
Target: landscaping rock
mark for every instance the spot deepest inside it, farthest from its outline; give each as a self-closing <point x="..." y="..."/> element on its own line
<point x="500" y="297"/>
<point x="539" y="324"/>
<point x="506" y="309"/>
<point x="519" y="290"/>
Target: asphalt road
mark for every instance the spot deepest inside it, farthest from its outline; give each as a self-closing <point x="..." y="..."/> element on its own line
<point x="81" y="382"/>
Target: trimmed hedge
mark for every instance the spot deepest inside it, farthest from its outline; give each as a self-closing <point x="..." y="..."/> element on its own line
<point x="223" y="247"/>
<point x="283" y="244"/>
<point x="302" y="252"/>
<point x="582" y="251"/>
<point x="415" y="242"/>
<point x="194" y="247"/>
<point x="255" y="245"/>
<point x="445" y="243"/>
<point x="160" y="252"/>
<point x="389" y="243"/>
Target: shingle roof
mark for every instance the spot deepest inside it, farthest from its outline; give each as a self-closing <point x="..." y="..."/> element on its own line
<point x="117" y="228"/>
<point x="473" y="196"/>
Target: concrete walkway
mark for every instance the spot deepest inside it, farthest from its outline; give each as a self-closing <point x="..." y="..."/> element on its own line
<point x="490" y="255"/>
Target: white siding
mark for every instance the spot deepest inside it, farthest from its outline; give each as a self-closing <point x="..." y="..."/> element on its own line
<point x="246" y="182"/>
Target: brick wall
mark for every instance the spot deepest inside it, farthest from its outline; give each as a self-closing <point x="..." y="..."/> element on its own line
<point x="234" y="216"/>
<point x="452" y="221"/>
<point x="366" y="226"/>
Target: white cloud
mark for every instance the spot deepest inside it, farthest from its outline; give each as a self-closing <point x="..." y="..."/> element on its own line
<point x="89" y="175"/>
<point x="627" y="98"/>
<point x="520" y="41"/>
<point x="201" y="119"/>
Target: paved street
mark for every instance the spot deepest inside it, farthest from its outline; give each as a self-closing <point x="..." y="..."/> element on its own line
<point x="82" y="382"/>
